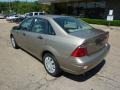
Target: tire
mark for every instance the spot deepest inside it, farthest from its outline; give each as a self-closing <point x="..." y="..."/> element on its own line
<point x="51" y="65"/>
<point x="13" y="42"/>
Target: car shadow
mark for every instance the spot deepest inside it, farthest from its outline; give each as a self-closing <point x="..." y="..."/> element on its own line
<point x="78" y="78"/>
<point x="31" y="55"/>
<point x="87" y="75"/>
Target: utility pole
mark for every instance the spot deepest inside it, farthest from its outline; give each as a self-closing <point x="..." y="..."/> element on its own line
<point x="9" y="6"/>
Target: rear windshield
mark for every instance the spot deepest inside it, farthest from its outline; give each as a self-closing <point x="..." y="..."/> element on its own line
<point x="70" y="24"/>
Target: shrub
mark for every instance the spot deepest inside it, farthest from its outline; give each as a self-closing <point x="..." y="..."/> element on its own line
<point x="101" y="21"/>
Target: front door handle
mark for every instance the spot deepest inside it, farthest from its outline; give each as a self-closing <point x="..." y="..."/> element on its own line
<point x="40" y="37"/>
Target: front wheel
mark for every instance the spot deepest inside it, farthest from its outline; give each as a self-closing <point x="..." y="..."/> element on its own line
<point x="51" y="65"/>
<point x="13" y="42"/>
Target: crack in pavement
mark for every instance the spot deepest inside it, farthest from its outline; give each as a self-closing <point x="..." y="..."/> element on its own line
<point x="47" y="82"/>
<point x="43" y="82"/>
<point x="107" y="78"/>
<point x="110" y="79"/>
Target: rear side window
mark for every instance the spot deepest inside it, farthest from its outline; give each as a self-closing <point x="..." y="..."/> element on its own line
<point x="42" y="26"/>
<point x="39" y="26"/>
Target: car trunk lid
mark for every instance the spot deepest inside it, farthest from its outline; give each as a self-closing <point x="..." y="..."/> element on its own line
<point x="94" y="38"/>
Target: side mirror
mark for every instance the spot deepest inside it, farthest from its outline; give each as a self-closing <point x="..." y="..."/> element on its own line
<point x="16" y="28"/>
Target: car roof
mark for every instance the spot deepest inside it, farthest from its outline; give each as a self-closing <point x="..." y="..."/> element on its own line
<point x="50" y="16"/>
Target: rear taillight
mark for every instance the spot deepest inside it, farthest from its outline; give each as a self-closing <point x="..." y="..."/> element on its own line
<point x="80" y="51"/>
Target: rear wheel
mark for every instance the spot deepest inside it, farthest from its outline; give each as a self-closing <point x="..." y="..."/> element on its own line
<point x="51" y="65"/>
<point x="13" y="42"/>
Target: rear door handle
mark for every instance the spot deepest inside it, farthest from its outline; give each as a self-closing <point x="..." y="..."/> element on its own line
<point x="40" y="37"/>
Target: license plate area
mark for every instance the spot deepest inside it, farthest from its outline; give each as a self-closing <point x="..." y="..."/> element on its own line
<point x="102" y="39"/>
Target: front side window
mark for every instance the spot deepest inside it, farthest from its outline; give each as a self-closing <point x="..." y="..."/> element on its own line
<point x="26" y="25"/>
<point x="70" y="24"/>
<point x="39" y="26"/>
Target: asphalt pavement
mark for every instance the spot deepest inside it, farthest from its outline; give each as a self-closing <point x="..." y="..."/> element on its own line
<point x="21" y="71"/>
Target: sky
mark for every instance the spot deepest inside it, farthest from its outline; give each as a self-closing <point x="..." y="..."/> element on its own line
<point x="18" y="0"/>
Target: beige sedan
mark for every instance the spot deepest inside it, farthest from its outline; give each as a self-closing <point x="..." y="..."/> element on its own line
<point x="61" y="43"/>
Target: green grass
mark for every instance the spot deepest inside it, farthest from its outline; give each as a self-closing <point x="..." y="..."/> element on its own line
<point x="101" y="21"/>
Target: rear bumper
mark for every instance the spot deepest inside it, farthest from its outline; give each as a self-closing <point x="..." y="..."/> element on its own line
<point x="79" y="66"/>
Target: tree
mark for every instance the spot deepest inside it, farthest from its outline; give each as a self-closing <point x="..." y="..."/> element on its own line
<point x="25" y="7"/>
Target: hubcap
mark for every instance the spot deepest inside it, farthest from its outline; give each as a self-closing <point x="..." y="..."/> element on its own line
<point x="50" y="64"/>
<point x="13" y="42"/>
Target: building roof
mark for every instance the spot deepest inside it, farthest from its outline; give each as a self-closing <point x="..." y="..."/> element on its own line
<point x="47" y="1"/>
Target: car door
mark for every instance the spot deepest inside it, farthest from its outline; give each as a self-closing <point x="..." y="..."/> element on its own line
<point x="36" y="37"/>
<point x="24" y="28"/>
